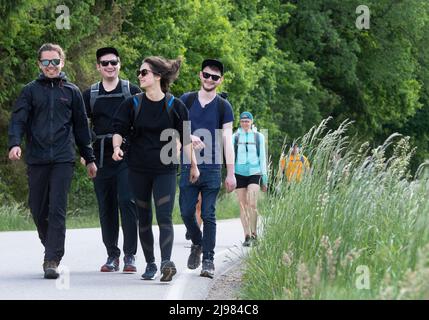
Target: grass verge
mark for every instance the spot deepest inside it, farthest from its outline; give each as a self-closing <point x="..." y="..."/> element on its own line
<point x="356" y="226"/>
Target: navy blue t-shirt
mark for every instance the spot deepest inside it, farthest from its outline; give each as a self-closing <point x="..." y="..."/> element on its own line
<point x="204" y="122"/>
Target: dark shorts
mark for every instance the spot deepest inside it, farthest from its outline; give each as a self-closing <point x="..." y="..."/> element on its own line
<point x="243" y="181"/>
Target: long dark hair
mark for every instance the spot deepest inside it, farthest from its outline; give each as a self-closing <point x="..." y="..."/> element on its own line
<point x="166" y="68"/>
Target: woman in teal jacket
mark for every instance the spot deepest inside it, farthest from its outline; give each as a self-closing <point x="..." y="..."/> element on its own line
<point x="250" y="173"/>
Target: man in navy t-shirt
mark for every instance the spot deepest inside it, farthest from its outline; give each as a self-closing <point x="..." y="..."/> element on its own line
<point x="211" y="120"/>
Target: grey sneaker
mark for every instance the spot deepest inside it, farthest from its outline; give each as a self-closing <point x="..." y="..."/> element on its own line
<point x="51" y="269"/>
<point x="150" y="272"/>
<point x="129" y="263"/>
<point x="111" y="265"/>
<point x="168" y="270"/>
<point x="207" y="269"/>
<point x="194" y="259"/>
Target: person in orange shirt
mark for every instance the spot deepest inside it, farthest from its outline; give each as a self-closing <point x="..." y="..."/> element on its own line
<point x="295" y="166"/>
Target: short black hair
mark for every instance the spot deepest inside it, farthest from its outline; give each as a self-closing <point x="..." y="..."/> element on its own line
<point x="106" y="50"/>
<point x="212" y="63"/>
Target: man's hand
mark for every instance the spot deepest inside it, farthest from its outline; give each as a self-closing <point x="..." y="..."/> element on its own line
<point x="230" y="183"/>
<point x="264" y="188"/>
<point x="197" y="143"/>
<point x="194" y="174"/>
<point x="118" y="154"/>
<point x="91" y="168"/>
<point x="15" y="153"/>
<point x="82" y="161"/>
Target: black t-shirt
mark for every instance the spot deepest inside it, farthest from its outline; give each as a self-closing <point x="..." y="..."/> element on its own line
<point x="102" y="116"/>
<point x="144" y="152"/>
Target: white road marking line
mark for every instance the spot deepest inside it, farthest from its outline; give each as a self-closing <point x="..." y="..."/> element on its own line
<point x="180" y="284"/>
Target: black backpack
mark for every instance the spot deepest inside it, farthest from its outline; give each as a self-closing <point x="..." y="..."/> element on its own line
<point x="95" y="93"/>
<point x="169" y="99"/>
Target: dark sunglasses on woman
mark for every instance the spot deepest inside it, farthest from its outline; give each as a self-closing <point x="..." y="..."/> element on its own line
<point x="144" y="72"/>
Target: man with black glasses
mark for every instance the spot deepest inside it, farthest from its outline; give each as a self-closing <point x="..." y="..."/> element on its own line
<point x="51" y="112"/>
<point x="111" y="185"/>
<point x="209" y="114"/>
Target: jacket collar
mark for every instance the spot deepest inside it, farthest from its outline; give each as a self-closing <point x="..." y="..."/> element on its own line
<point x="61" y="78"/>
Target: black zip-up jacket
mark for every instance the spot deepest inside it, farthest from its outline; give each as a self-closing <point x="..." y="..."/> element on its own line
<point x="51" y="113"/>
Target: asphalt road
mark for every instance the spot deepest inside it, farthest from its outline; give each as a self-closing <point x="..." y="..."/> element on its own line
<point x="21" y="274"/>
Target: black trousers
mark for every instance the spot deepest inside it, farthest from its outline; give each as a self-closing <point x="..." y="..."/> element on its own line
<point x="49" y="186"/>
<point x="113" y="195"/>
<point x="163" y="188"/>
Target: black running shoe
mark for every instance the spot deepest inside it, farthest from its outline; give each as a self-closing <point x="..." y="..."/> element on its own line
<point x="168" y="270"/>
<point x="247" y="241"/>
<point x="207" y="269"/>
<point x="187" y="236"/>
<point x="150" y="272"/>
<point x="194" y="259"/>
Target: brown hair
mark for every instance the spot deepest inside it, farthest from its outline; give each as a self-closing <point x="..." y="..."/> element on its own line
<point x="167" y="69"/>
<point x="51" y="47"/>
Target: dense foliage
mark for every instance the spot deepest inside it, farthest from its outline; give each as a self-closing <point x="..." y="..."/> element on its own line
<point x="291" y="63"/>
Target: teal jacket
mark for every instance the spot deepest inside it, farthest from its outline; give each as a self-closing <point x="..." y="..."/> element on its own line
<point x="247" y="163"/>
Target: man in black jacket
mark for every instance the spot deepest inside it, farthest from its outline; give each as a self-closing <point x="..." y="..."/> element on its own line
<point x="51" y="112"/>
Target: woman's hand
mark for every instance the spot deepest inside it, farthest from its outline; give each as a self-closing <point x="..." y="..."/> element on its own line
<point x="118" y="154"/>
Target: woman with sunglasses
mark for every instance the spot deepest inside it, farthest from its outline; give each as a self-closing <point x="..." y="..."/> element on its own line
<point x="250" y="172"/>
<point x="151" y="170"/>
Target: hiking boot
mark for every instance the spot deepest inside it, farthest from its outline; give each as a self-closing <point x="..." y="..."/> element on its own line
<point x="194" y="259"/>
<point x="207" y="269"/>
<point x="247" y="241"/>
<point x="111" y="265"/>
<point x="129" y="263"/>
<point x="150" y="272"/>
<point x="51" y="269"/>
<point x="168" y="270"/>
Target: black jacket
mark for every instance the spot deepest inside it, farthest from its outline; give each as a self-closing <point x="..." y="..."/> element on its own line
<point x="51" y="113"/>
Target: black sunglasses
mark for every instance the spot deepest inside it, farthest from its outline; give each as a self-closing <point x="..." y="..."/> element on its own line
<point x="105" y="63"/>
<point x="207" y="75"/>
<point x="46" y="62"/>
<point x="144" y="72"/>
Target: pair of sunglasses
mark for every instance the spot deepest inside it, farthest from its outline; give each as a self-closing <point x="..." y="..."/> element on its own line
<point x="46" y="62"/>
<point x="207" y="75"/>
<point x="144" y="72"/>
<point x="105" y="63"/>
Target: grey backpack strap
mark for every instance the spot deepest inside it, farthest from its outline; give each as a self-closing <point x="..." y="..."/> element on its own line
<point x="95" y="88"/>
<point x="125" y="84"/>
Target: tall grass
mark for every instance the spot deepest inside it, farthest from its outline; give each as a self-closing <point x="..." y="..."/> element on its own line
<point x="356" y="226"/>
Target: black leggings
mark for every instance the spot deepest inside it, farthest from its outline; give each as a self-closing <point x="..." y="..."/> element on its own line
<point x="163" y="187"/>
